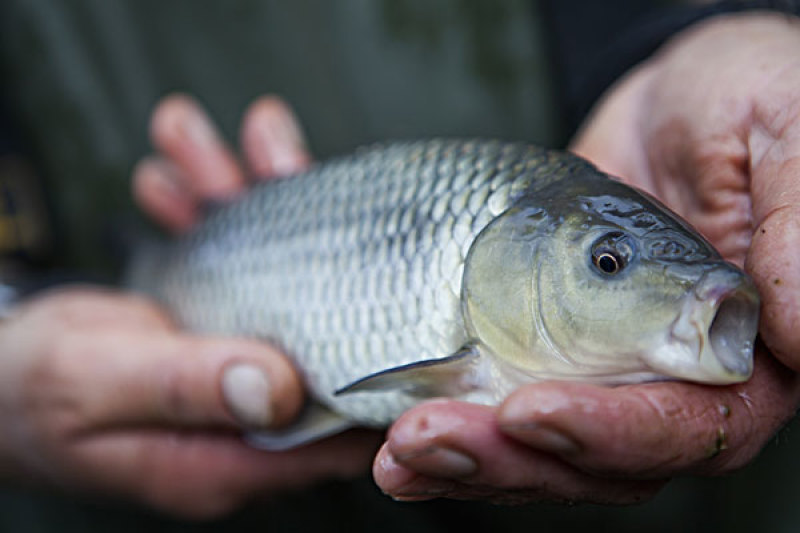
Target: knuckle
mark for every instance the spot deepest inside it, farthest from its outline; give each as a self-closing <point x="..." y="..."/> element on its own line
<point x="175" y="384"/>
<point x="650" y="443"/>
<point x="50" y="389"/>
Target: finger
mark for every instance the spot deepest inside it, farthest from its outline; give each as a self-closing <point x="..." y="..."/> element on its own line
<point x="456" y="450"/>
<point x="653" y="430"/>
<point x="205" y="474"/>
<point x="182" y="131"/>
<point x="773" y="260"/>
<point x="121" y="377"/>
<point x="610" y="137"/>
<point x="774" y="264"/>
<point x="77" y="306"/>
<point x="160" y="192"/>
<point x="272" y="139"/>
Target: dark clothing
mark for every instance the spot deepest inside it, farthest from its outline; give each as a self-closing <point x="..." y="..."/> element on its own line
<point x="80" y="79"/>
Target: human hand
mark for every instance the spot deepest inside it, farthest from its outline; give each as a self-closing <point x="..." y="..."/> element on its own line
<point x="101" y="393"/>
<point x="711" y="125"/>
<point x="193" y="165"/>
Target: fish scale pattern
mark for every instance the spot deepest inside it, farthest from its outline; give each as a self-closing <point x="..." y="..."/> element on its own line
<point x="353" y="267"/>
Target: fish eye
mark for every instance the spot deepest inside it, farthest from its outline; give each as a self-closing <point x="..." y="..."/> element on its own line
<point x="611" y="253"/>
<point x="608" y="262"/>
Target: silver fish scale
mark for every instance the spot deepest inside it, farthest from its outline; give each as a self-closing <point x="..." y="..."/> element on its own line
<point x="352" y="268"/>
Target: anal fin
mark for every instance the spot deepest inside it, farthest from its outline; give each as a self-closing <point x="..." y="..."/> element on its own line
<point x="314" y="423"/>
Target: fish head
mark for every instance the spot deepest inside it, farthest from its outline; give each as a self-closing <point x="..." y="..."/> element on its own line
<point x="618" y="289"/>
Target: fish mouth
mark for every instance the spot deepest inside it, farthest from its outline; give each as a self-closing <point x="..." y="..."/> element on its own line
<point x="711" y="340"/>
<point x="719" y="323"/>
<point x="733" y="330"/>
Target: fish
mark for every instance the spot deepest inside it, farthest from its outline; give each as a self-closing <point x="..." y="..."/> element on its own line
<point x="456" y="268"/>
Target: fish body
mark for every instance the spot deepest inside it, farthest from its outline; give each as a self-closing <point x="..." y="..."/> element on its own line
<point x="463" y="269"/>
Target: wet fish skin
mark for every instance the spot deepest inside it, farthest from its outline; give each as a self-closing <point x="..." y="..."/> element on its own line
<point x="353" y="267"/>
<point x="370" y="263"/>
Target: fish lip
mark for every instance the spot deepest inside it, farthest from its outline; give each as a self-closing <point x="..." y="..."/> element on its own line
<point x="719" y="322"/>
<point x="733" y="329"/>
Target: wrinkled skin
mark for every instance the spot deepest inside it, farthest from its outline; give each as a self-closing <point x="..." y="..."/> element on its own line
<point x="721" y="150"/>
<point x="710" y="125"/>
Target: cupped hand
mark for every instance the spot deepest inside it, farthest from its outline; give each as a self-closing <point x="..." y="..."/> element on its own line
<point x="101" y="393"/>
<point x="711" y="126"/>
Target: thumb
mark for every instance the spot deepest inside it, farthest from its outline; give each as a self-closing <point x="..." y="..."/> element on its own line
<point x="170" y="378"/>
<point x="773" y="259"/>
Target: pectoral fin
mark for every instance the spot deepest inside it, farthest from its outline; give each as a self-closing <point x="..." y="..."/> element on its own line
<point x="314" y="423"/>
<point x="447" y="376"/>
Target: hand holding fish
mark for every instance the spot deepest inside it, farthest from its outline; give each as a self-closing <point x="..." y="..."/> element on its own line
<point x="475" y="423"/>
<point x="100" y="392"/>
<point x="711" y="126"/>
<point x="555" y="440"/>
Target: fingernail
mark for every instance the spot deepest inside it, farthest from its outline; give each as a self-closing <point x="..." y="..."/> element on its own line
<point x="291" y="128"/>
<point x="544" y="438"/>
<point x="197" y="128"/>
<point x="282" y="140"/>
<point x="245" y="389"/>
<point x="275" y="143"/>
<point x="440" y="462"/>
<point x="284" y="161"/>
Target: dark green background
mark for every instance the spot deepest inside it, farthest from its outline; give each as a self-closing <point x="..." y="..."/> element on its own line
<point x="82" y="76"/>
